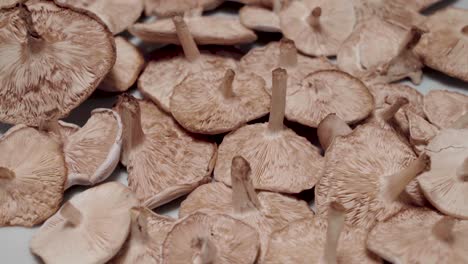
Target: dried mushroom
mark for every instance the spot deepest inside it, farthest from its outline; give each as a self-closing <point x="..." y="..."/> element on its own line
<point x="331" y="127"/>
<point x="202" y="238"/>
<point x="32" y="176"/>
<point x="444" y="47"/>
<point x="259" y="18"/>
<point x="443" y="108"/>
<point x="163" y="161"/>
<point x="165" y="8"/>
<point x="90" y="228"/>
<point x="420" y="235"/>
<point x="320" y="240"/>
<point x="281" y="160"/>
<point x="7" y="3"/>
<point x="127" y="67"/>
<point x="420" y="131"/>
<point x="170" y="68"/>
<point x="53" y="57"/>
<point x="219" y="101"/>
<point x="318" y="27"/>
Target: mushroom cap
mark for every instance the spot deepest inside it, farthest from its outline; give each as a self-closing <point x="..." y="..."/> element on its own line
<point x="170" y="67"/>
<point x="442" y="185"/>
<point x="408" y="237"/>
<point x="326" y="92"/>
<point x="443" y="107"/>
<point x="198" y="103"/>
<point x="127" y="67"/>
<point x="282" y="162"/>
<point x="259" y="19"/>
<point x="445" y="46"/>
<point x="102" y="229"/>
<point x="337" y="21"/>
<point x="164" y="8"/>
<point x="204" y="29"/>
<point x="421" y="131"/>
<point x="47" y="77"/>
<point x="32" y="176"/>
<point x="118" y="15"/>
<point x="303" y="241"/>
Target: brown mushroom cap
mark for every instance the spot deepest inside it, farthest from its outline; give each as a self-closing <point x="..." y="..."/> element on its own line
<point x="318" y="27"/>
<point x="90" y="228"/>
<point x="445" y="46"/>
<point x="202" y="238"/>
<point x="127" y="67"/>
<point x="419" y="235"/>
<point x="165" y="8"/>
<point x="163" y="161"/>
<point x="52" y="63"/>
<point x="443" y="107"/>
<point x="32" y="176"/>
<point x="216" y="104"/>
<point x="445" y="184"/>
<point x="259" y="19"/>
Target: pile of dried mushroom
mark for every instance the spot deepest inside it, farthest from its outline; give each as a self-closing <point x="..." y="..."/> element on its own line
<point x="390" y="175"/>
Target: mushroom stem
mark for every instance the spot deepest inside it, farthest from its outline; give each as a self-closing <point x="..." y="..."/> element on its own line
<point x="314" y="17"/>
<point x="186" y="39"/>
<point x="244" y="197"/>
<point x="390" y="111"/>
<point x="140" y="224"/>
<point x="462" y="171"/>
<point x="71" y="214"/>
<point x="54" y="127"/>
<point x="330" y="128"/>
<point x="278" y="100"/>
<point x="443" y="229"/>
<point x="277" y="6"/>
<point x="207" y="252"/>
<point x="226" y="86"/>
<point x="336" y="218"/>
<point x="397" y="182"/>
<point x="288" y="53"/>
<point x="461" y="122"/>
<point x="6" y="174"/>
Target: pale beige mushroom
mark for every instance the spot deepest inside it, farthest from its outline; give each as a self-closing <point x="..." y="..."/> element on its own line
<point x="420" y="131"/>
<point x="219" y="101"/>
<point x="127" y="67"/>
<point x="445" y="46"/>
<point x="320" y="240"/>
<point x="281" y="160"/>
<point x="203" y="238"/>
<point x="53" y="58"/>
<point x="163" y="161"/>
<point x="420" y="235"/>
<point x="167" y="8"/>
<point x="331" y="127"/>
<point x="32" y="176"/>
<point x="169" y="68"/>
<point x="90" y="228"/>
<point x="259" y="19"/>
<point x="443" y="108"/>
<point x="318" y="27"/>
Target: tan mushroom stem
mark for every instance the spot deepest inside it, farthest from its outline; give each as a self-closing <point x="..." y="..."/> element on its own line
<point x="186" y="39"/>
<point x="462" y="171"/>
<point x="336" y="219"/>
<point x="465" y="30"/>
<point x="244" y="197"/>
<point x="129" y="111"/>
<point x="6" y="174"/>
<point x="314" y="17"/>
<point x="443" y="229"/>
<point x="226" y="86"/>
<point x="71" y="214"/>
<point x="389" y="112"/>
<point x="288" y="53"/>
<point x="397" y="182"/>
<point x="331" y="127"/>
<point x="207" y="251"/>
<point x="461" y="122"/>
<point x="278" y="100"/>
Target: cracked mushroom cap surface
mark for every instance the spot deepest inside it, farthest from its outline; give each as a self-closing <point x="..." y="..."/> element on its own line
<point x="164" y="8"/>
<point x="443" y="107"/>
<point x="53" y="59"/>
<point x="118" y="15"/>
<point x="445" y="46"/>
<point x="318" y="27"/>
<point x="32" y="176"/>
<point x="445" y="184"/>
<point x="419" y="235"/>
<point x="208" y="104"/>
<point x="96" y="221"/>
<point x="205" y="238"/>
<point x="259" y="19"/>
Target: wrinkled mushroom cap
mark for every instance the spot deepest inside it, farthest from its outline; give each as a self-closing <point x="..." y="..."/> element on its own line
<point x="96" y="221"/>
<point x="443" y="107"/>
<point x="165" y="8"/>
<point x="45" y="77"/>
<point x="259" y="19"/>
<point x="32" y="176"/>
<point x="234" y="242"/>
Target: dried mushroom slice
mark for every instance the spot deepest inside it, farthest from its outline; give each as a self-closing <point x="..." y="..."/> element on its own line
<point x="443" y="108"/>
<point x="420" y="235"/>
<point x="32" y="177"/>
<point x="444" y="185"/>
<point x="208" y="104"/>
<point x="281" y="160"/>
<point x="318" y="27"/>
<point x="90" y="228"/>
<point x="259" y="19"/>
<point x="165" y="8"/>
<point x="53" y="57"/>
<point x="445" y="46"/>
<point x="169" y="68"/>
<point x="320" y="240"/>
<point x="127" y="67"/>
<point x="202" y="238"/>
<point x="326" y="92"/>
<point x="147" y="233"/>
<point x="163" y="161"/>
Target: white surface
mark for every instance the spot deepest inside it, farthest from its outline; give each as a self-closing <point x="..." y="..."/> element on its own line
<point x="14" y="241"/>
